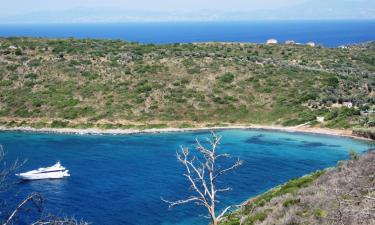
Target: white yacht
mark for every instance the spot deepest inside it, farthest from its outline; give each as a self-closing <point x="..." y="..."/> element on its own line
<point x="53" y="172"/>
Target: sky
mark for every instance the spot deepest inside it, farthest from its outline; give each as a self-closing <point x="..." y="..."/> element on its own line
<point x="92" y="11"/>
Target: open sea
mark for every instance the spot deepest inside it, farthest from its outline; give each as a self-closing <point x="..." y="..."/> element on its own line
<point x="120" y="179"/>
<point x="326" y="33"/>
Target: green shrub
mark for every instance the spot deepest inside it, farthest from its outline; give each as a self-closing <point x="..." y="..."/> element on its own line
<point x="144" y="88"/>
<point x="345" y="111"/>
<point x="31" y="76"/>
<point x="371" y="122"/>
<point x="12" y="67"/>
<point x="365" y="132"/>
<point x="89" y="75"/>
<point x="59" y="124"/>
<point x="73" y="63"/>
<point x="73" y="113"/>
<point x="193" y="70"/>
<point x="259" y="216"/>
<point x="18" y="52"/>
<point x="65" y="103"/>
<point x="39" y="124"/>
<point x="319" y="213"/>
<point x="227" y="78"/>
<point x="353" y="154"/>
<point x="289" y="202"/>
<point x="332" y="114"/>
<point x="24" y="113"/>
<point x="5" y="82"/>
<point x="142" y="69"/>
<point x="34" y="63"/>
<point x="333" y="82"/>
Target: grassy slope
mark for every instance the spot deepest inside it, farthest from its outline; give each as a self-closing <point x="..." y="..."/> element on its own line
<point x="109" y="83"/>
<point x="333" y="196"/>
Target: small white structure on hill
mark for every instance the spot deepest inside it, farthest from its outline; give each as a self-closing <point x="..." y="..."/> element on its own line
<point x="320" y="119"/>
<point x="271" y="41"/>
<point x="290" y="42"/>
<point x="348" y="104"/>
<point x="311" y="44"/>
<point x="12" y="47"/>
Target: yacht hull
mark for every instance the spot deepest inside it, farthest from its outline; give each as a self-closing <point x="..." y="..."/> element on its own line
<point x="53" y="175"/>
<point x="53" y="172"/>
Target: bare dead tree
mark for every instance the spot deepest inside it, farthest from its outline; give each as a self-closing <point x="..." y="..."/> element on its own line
<point x="203" y="176"/>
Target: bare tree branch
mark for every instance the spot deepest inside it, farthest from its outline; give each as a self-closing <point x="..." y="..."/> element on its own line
<point x="223" y="190"/>
<point x="234" y="166"/>
<point x="219" y="217"/>
<point x="179" y="202"/>
<point x="222" y="156"/>
<point x="35" y="197"/>
<point x="6" y="171"/>
<point x="202" y="176"/>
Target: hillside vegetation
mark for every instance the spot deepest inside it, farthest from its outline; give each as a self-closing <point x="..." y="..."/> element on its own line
<point x="341" y="195"/>
<point x="112" y="83"/>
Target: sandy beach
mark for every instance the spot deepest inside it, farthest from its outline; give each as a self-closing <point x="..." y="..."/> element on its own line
<point x="97" y="131"/>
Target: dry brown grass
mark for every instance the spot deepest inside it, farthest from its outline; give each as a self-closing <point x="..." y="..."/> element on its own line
<point x="343" y="195"/>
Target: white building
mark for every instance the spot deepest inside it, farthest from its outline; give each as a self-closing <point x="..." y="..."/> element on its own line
<point x="348" y="104"/>
<point x="311" y="44"/>
<point x="290" y="42"/>
<point x="271" y="41"/>
<point x="320" y="119"/>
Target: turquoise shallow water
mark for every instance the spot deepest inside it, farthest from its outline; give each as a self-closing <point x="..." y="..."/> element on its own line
<point x="120" y="179"/>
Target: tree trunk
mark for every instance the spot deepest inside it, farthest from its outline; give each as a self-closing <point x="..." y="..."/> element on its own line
<point x="213" y="216"/>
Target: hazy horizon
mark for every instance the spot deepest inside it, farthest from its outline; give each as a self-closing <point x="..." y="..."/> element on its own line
<point x="195" y="21"/>
<point x="116" y="11"/>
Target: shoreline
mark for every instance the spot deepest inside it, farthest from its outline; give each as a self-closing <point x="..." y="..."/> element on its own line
<point x="97" y="131"/>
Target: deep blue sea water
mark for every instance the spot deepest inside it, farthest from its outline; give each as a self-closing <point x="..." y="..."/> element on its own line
<point x="120" y="179"/>
<point x="327" y="33"/>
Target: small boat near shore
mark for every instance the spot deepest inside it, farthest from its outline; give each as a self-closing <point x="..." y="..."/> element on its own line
<point x="56" y="171"/>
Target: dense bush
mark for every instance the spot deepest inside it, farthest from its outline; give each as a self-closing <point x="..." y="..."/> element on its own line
<point x="89" y="75"/>
<point x="333" y="82"/>
<point x="59" y="124"/>
<point x="18" y="52"/>
<point x="227" y="78"/>
<point x="364" y="132"/>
